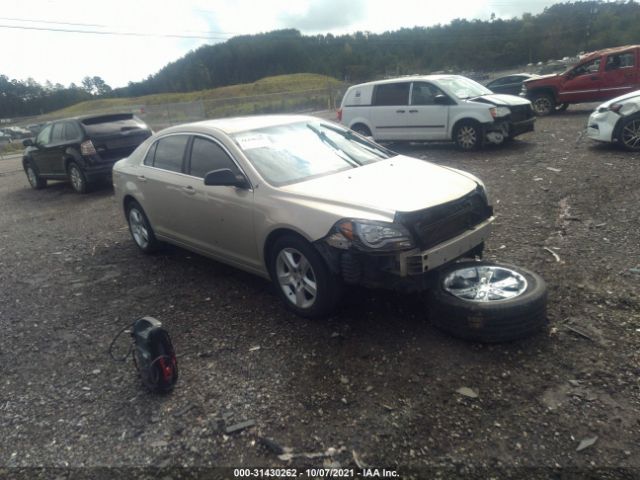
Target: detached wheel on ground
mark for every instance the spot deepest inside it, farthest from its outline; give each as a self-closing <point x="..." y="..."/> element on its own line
<point x="488" y="302"/>
<point x="35" y="180"/>
<point x="467" y="135"/>
<point x="140" y="228"/>
<point x="302" y="278"/>
<point x="630" y="133"/>
<point x="77" y="178"/>
<point x="543" y="104"/>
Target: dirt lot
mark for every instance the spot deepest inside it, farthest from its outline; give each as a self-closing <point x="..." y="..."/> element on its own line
<point x="376" y="382"/>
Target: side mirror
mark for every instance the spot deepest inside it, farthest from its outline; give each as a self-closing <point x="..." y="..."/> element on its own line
<point x="28" y="142"/>
<point x="441" y="100"/>
<point x="225" y="178"/>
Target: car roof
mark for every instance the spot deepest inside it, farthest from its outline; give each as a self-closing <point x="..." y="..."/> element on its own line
<point x="607" y="51"/>
<point x="233" y="125"/>
<point x="410" y="78"/>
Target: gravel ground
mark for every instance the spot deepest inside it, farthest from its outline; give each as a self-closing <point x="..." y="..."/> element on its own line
<point x="374" y="385"/>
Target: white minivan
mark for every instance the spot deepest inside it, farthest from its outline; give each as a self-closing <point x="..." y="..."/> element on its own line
<point x="435" y="108"/>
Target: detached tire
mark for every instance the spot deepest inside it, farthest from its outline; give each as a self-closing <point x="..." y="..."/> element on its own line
<point x="302" y="278"/>
<point x="488" y="302"/>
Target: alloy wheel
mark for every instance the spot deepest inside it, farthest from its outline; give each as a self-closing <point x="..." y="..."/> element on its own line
<point x="76" y="178"/>
<point x="32" y="177"/>
<point x="485" y="283"/>
<point x="631" y="135"/>
<point x="467" y="137"/>
<point x="139" y="229"/>
<point x="296" y="278"/>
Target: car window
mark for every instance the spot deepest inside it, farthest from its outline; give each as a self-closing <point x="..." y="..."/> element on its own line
<point x="391" y="94"/>
<point x="463" y="87"/>
<point x="206" y="156"/>
<point x="148" y="160"/>
<point x="424" y="93"/>
<point x="587" y="68"/>
<point x="498" y="82"/>
<point x="620" y="60"/>
<point x="71" y="131"/>
<point x="170" y="153"/>
<point x="57" y="133"/>
<point x="44" y="137"/>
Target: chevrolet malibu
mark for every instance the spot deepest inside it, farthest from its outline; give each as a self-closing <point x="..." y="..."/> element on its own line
<point x="306" y="203"/>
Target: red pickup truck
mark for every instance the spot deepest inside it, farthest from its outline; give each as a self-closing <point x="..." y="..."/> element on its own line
<point x="599" y="76"/>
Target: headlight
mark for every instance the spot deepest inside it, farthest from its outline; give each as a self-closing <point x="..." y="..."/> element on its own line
<point x="370" y="235"/>
<point x="499" y="111"/>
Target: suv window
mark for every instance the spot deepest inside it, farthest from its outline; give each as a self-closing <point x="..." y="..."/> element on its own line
<point x="170" y="152"/>
<point x="620" y="60"/>
<point x="424" y="93"/>
<point x="71" y="132"/>
<point x="44" y="136"/>
<point x="391" y="94"/>
<point x="207" y="156"/>
<point x="57" y="134"/>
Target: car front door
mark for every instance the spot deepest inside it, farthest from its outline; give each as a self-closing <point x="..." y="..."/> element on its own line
<point x="389" y="111"/>
<point x="48" y="155"/>
<point x="221" y="217"/>
<point x="620" y="74"/>
<point x="426" y="120"/>
<point x="582" y="83"/>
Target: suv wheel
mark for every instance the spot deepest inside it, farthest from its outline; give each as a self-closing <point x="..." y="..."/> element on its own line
<point x="467" y="135"/>
<point x="302" y="278"/>
<point x="140" y="228"/>
<point x="630" y="133"/>
<point x="77" y="178"/>
<point x="543" y="104"/>
<point x="34" y="178"/>
<point x="488" y="302"/>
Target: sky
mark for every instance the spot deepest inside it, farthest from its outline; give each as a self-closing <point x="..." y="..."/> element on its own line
<point x="133" y="39"/>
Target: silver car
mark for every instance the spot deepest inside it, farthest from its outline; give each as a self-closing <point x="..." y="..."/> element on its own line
<point x="304" y="202"/>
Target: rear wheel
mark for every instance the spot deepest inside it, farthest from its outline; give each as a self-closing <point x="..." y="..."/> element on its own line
<point x="77" y="178"/>
<point x="630" y="133"/>
<point x="543" y="104"/>
<point x="35" y="180"/>
<point x="140" y="228"/>
<point x="361" y="129"/>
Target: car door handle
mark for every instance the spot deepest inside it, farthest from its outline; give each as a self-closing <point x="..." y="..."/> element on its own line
<point x="189" y="190"/>
<point x="400" y="111"/>
<point x="413" y="111"/>
<point x="142" y="178"/>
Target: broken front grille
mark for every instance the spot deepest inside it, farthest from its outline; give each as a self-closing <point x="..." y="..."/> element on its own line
<point x="520" y="113"/>
<point x="435" y="225"/>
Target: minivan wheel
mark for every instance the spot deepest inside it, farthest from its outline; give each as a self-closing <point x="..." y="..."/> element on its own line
<point x="77" y="178"/>
<point x="488" y="302"/>
<point x="361" y="129"/>
<point x="630" y="133"/>
<point x="467" y="135"/>
<point x="35" y="180"/>
<point x="140" y="228"/>
<point x="543" y="104"/>
<point x="302" y="278"/>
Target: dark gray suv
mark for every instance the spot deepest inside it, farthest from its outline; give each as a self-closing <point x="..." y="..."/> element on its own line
<point x="82" y="149"/>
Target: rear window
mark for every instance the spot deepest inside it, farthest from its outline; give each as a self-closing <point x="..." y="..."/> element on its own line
<point x="114" y="123"/>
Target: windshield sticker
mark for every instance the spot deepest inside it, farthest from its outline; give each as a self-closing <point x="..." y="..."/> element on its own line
<point x="252" y="141"/>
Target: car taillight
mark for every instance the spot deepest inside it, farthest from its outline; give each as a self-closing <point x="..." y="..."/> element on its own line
<point x="87" y="148"/>
<point x="339" y="114"/>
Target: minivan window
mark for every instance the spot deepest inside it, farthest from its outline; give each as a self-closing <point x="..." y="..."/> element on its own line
<point x="424" y="93"/>
<point x="170" y="153"/>
<point x="391" y="94"/>
<point x="207" y="156"/>
<point x="463" y="87"/>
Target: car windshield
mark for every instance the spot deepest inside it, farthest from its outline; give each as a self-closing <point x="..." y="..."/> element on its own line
<point x="291" y="153"/>
<point x="463" y="87"/>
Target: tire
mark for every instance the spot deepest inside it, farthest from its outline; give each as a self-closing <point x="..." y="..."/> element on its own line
<point x="543" y="104"/>
<point x="140" y="229"/>
<point x="302" y="278"/>
<point x="520" y="315"/>
<point x="361" y="129"/>
<point x="629" y="133"/>
<point x="467" y="135"/>
<point x="562" y="107"/>
<point x="35" y="180"/>
<point x="77" y="178"/>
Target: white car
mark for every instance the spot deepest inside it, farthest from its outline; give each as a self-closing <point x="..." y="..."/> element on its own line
<point x="435" y="107"/>
<point x="617" y="120"/>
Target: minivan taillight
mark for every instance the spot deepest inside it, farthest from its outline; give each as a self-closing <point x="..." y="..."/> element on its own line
<point x="339" y="114"/>
<point x="87" y="148"/>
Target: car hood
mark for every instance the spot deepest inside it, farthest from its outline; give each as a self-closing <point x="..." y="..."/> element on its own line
<point x="541" y="77"/>
<point x="398" y="184"/>
<point x="501" y="100"/>
<point x="621" y="98"/>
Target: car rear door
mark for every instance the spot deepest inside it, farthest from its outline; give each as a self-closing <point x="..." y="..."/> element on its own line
<point x="620" y="74"/>
<point x="426" y="120"/>
<point x="220" y="217"/>
<point x="390" y="110"/>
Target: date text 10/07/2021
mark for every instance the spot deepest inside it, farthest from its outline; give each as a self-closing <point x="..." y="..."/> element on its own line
<point x="315" y="473"/>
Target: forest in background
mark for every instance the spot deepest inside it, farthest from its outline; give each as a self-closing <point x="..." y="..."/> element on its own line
<point x="561" y="30"/>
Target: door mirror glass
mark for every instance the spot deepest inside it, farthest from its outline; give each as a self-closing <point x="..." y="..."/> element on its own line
<point x="441" y="100"/>
<point x="224" y="177"/>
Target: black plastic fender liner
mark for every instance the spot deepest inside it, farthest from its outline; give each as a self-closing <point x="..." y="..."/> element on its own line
<point x="490" y="321"/>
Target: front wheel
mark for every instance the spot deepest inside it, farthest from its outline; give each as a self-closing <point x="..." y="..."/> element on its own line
<point x="467" y="135"/>
<point x="35" y="180"/>
<point x="630" y="133"/>
<point x="302" y="278"/>
<point x="543" y="104"/>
